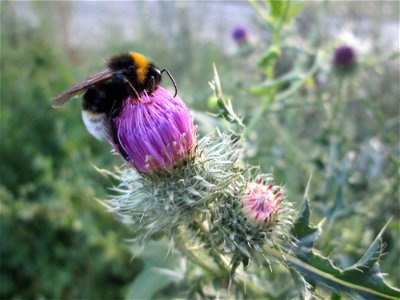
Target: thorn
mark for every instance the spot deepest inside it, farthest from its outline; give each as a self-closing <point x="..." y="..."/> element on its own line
<point x="308" y="186"/>
<point x="321" y="222"/>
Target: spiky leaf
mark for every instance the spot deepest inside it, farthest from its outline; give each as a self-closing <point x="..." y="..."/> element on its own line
<point x="361" y="280"/>
<point x="302" y="231"/>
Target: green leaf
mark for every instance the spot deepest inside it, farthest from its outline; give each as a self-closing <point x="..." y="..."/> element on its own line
<point x="225" y="105"/>
<point x="271" y="54"/>
<point x="268" y="85"/>
<point x="339" y="209"/>
<point x="294" y="10"/>
<point x="276" y="7"/>
<point x="301" y="284"/>
<point x="302" y="231"/>
<point x="279" y="9"/>
<point x="372" y="255"/>
<point x="362" y="280"/>
<point x="151" y="280"/>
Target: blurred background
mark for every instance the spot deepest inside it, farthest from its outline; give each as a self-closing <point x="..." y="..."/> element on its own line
<point x="57" y="241"/>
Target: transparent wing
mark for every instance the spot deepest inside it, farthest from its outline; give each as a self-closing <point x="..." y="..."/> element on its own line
<point x="81" y="87"/>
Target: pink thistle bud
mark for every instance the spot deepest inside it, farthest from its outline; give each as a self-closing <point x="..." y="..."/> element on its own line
<point x="156" y="133"/>
<point x="260" y="202"/>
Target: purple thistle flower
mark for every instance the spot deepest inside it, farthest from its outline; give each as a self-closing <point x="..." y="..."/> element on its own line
<point x="239" y="34"/>
<point x="344" y="57"/>
<point x="156" y="133"/>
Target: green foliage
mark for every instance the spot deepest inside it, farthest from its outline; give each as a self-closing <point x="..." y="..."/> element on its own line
<point x="296" y="115"/>
<point x="363" y="279"/>
<point x="56" y="242"/>
<point x="49" y="251"/>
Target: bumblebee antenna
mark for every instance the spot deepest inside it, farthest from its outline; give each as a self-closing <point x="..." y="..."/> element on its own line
<point x="172" y="79"/>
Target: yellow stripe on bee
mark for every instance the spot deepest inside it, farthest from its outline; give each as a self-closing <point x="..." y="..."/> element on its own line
<point x="142" y="64"/>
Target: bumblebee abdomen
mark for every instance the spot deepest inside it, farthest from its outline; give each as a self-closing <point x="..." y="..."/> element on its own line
<point x="97" y="124"/>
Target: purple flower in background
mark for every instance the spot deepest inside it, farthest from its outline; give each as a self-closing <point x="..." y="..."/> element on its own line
<point x="240" y="35"/>
<point x="344" y="57"/>
<point x="156" y="133"/>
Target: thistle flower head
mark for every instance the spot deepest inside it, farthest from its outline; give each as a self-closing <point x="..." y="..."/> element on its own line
<point x="261" y="202"/>
<point x="156" y="133"/>
<point x="344" y="57"/>
<point x="157" y="205"/>
<point x="240" y="35"/>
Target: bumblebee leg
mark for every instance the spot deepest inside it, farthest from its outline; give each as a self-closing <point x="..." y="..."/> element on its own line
<point x="114" y="112"/>
<point x="115" y="108"/>
<point x="114" y="136"/>
<point x="151" y="85"/>
<point x="131" y="90"/>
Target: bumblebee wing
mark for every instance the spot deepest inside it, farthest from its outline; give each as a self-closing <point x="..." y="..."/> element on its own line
<point x="81" y="87"/>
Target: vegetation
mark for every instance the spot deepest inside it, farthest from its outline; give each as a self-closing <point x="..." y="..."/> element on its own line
<point x="307" y="121"/>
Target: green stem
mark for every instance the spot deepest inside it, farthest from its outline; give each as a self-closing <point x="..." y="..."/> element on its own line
<point x="278" y="29"/>
<point x="276" y="39"/>
<point x="270" y="69"/>
<point x="222" y="264"/>
<point x="279" y="97"/>
<point x="256" y="118"/>
<point x="191" y="256"/>
<point x="262" y="13"/>
<point x="335" y="119"/>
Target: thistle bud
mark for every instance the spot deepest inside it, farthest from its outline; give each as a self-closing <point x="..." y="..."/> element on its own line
<point x="259" y="216"/>
<point x="344" y="58"/>
<point x="156" y="133"/>
<point x="240" y="35"/>
<point x="261" y="202"/>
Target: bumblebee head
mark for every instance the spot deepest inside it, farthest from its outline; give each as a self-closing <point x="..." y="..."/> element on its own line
<point x="155" y="74"/>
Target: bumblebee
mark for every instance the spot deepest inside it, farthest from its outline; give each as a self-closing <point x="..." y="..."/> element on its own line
<point x="103" y="94"/>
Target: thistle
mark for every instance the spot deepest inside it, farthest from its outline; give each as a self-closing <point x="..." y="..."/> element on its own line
<point x="344" y="59"/>
<point x="177" y="184"/>
<point x="240" y="35"/>
<point x="155" y="205"/>
<point x="216" y="209"/>
<point x="257" y="217"/>
<point x="261" y="203"/>
<point x="157" y="133"/>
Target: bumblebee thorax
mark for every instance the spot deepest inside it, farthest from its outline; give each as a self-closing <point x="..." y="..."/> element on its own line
<point x="142" y="64"/>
